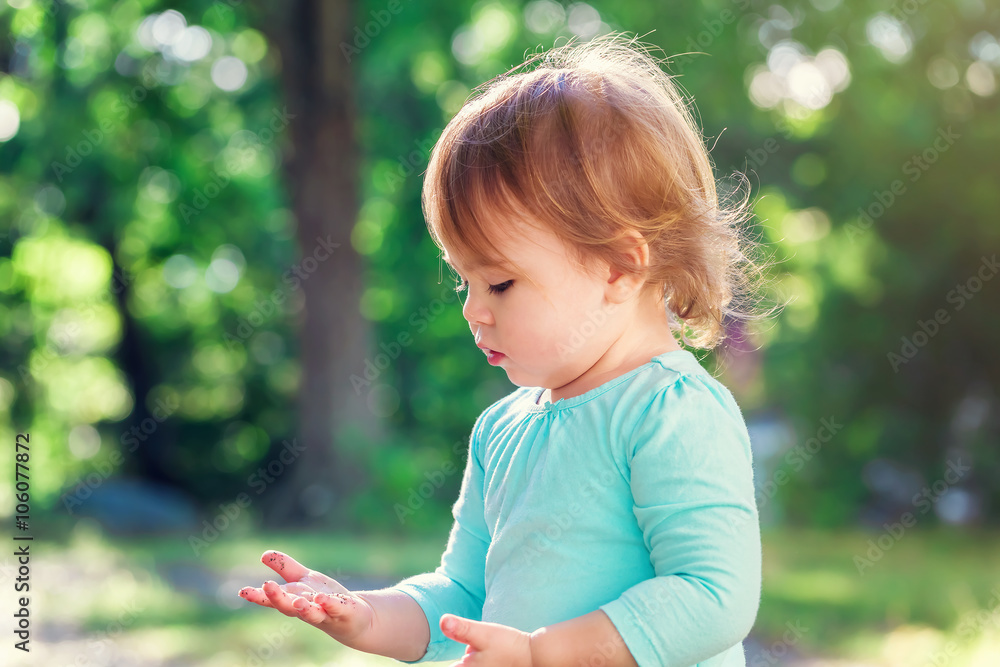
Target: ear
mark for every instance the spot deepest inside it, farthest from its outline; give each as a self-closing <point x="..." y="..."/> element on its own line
<point x="623" y="286"/>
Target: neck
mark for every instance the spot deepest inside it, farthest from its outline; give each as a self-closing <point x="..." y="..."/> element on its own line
<point x="623" y="355"/>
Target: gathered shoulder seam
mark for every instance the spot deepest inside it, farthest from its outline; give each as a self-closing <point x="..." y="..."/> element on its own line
<point x="680" y="375"/>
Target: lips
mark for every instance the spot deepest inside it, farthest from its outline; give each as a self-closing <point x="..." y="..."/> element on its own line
<point x="492" y="356"/>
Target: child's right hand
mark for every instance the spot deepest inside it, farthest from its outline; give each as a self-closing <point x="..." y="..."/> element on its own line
<point x="314" y="597"/>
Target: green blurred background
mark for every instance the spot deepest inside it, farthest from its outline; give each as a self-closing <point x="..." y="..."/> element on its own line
<point x="226" y="329"/>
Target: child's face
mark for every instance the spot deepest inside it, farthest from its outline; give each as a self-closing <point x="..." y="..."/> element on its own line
<point x="550" y="332"/>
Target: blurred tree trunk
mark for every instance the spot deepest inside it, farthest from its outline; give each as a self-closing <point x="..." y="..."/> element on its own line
<point x="322" y="175"/>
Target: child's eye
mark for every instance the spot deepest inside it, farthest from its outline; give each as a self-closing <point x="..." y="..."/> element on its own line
<point x="502" y="287"/>
<point x="493" y="289"/>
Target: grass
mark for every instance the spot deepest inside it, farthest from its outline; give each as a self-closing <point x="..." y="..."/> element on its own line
<point x="935" y="591"/>
<point x="928" y="588"/>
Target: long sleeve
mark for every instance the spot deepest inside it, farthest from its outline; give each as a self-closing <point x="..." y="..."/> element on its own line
<point x="458" y="585"/>
<point x="690" y="464"/>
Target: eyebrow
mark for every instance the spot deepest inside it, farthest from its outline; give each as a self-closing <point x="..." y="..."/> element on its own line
<point x="479" y="265"/>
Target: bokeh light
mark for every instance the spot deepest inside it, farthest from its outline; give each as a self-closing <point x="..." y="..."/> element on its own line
<point x="10" y="120"/>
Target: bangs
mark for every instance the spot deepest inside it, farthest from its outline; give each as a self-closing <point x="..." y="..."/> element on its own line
<point x="475" y="223"/>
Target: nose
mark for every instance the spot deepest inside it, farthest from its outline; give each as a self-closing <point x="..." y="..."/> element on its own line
<point x="475" y="311"/>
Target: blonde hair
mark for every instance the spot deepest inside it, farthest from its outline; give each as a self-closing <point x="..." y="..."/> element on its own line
<point x="596" y="143"/>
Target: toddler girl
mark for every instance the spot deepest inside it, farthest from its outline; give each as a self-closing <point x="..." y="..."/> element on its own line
<point x="606" y="513"/>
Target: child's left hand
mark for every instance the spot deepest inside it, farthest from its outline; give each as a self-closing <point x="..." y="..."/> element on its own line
<point x="488" y="644"/>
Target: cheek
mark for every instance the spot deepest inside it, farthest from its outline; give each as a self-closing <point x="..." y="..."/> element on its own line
<point x="530" y="325"/>
<point x="539" y="317"/>
<point x="547" y="334"/>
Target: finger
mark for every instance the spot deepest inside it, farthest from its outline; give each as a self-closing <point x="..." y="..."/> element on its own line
<point x="330" y="604"/>
<point x="281" y="600"/>
<point x="286" y="566"/>
<point x="302" y="590"/>
<point x="320" y="582"/>
<point x="464" y="630"/>
<point x="309" y="612"/>
<point x="255" y="595"/>
<point x="337" y="604"/>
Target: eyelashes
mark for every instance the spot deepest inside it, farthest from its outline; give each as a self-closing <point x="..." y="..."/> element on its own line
<point x="493" y="289"/>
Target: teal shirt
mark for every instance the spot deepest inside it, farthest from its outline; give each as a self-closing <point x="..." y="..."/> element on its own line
<point x="635" y="497"/>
